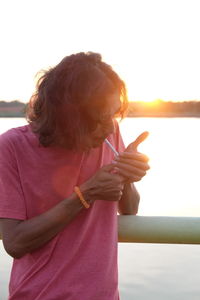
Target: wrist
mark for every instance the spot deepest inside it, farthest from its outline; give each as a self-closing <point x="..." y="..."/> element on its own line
<point x="87" y="193"/>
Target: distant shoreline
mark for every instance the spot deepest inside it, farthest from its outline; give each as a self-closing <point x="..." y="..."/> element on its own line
<point x="136" y="115"/>
<point x="155" y="109"/>
<point x="163" y="115"/>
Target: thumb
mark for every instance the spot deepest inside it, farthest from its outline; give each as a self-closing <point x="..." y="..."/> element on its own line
<point x="133" y="146"/>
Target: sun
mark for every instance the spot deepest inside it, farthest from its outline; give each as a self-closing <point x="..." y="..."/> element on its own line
<point x="152" y="102"/>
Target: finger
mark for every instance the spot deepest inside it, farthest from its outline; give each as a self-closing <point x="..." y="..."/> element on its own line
<point x="133" y="146"/>
<point x="134" y="163"/>
<point x="130" y="170"/>
<point x="128" y="177"/>
<point x="119" y="177"/>
<point x="132" y="156"/>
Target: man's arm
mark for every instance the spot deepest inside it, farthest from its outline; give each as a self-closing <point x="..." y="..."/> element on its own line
<point x="129" y="203"/>
<point x="22" y="237"/>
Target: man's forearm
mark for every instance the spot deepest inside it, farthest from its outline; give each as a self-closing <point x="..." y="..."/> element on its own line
<point x="129" y="203"/>
<point x="21" y="237"/>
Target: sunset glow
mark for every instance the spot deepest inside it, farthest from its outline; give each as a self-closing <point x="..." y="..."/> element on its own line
<point x="157" y="58"/>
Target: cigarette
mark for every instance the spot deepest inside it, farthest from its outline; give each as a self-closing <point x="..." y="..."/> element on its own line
<point x="111" y="147"/>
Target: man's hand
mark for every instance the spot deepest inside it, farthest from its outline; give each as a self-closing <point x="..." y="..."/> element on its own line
<point x="131" y="164"/>
<point x="104" y="185"/>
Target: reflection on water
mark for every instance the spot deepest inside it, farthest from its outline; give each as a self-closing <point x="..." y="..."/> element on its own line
<point x="159" y="272"/>
<point x="147" y="271"/>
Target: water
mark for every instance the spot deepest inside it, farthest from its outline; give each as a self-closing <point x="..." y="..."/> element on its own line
<point x="171" y="187"/>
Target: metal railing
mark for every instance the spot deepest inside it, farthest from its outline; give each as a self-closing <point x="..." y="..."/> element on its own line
<point x="171" y="230"/>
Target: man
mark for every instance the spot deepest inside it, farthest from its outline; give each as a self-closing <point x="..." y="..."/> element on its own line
<point x="61" y="185"/>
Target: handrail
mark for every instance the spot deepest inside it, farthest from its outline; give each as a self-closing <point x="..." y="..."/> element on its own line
<point x="171" y="230"/>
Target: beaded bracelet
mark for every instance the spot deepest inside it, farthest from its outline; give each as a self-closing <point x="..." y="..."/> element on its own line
<point x="79" y="194"/>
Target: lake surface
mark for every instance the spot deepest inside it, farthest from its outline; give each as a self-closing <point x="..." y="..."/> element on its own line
<point x="171" y="188"/>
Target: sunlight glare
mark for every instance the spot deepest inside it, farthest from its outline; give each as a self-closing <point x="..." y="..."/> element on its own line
<point x="170" y="169"/>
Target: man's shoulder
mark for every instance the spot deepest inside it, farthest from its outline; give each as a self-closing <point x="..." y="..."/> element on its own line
<point x="12" y="135"/>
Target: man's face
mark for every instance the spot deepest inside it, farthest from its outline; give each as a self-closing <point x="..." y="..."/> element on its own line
<point x="105" y="121"/>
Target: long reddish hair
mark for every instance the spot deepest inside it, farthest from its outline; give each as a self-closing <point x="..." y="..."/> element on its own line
<point x="59" y="109"/>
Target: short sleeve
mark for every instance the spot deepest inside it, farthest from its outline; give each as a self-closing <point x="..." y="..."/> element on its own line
<point x="12" y="204"/>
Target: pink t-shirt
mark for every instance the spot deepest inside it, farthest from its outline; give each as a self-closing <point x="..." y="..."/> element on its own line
<point x="81" y="261"/>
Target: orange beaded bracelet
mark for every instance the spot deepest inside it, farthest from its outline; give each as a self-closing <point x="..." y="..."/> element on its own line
<point x="79" y="194"/>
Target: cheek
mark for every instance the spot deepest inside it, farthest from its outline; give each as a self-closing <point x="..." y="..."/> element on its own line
<point x="97" y="132"/>
<point x="103" y="130"/>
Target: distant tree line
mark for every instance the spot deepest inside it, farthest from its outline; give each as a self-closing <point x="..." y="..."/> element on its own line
<point x="162" y="108"/>
<point x="11" y="104"/>
<point x="12" y="109"/>
<point x="156" y="108"/>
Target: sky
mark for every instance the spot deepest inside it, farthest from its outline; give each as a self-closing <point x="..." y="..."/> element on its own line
<point x="152" y="44"/>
